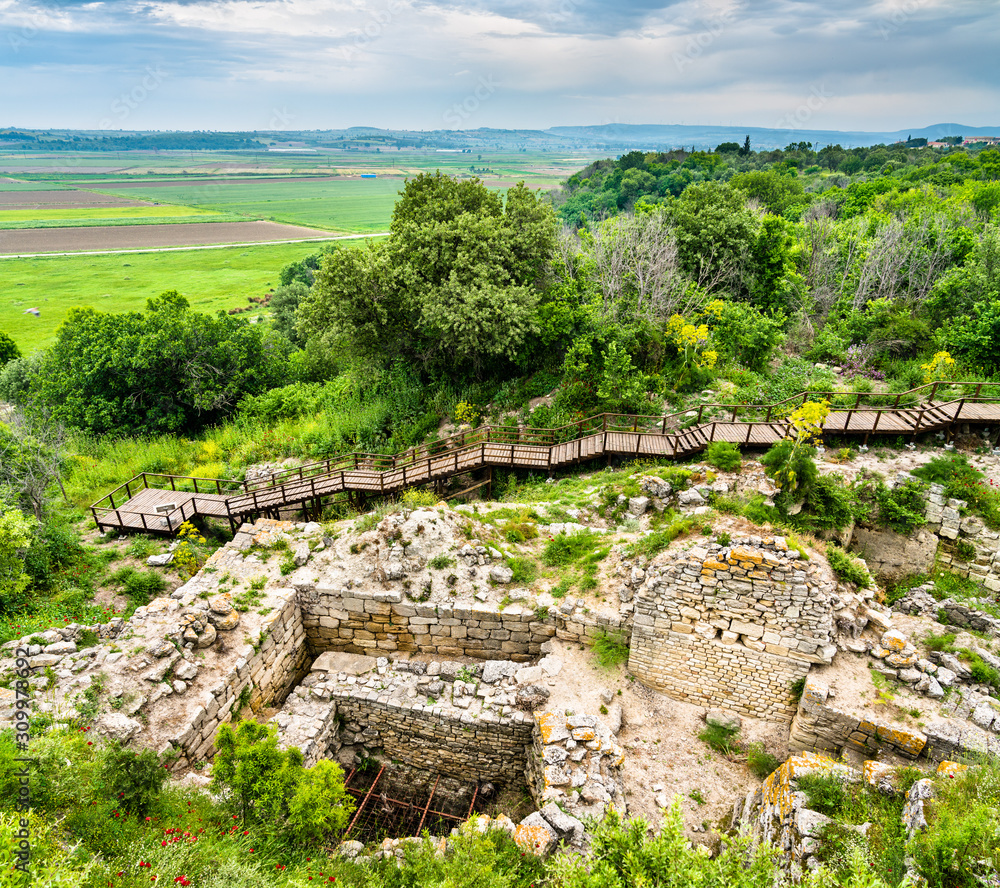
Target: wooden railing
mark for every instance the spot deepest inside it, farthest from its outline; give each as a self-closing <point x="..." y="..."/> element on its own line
<point x="692" y="432"/>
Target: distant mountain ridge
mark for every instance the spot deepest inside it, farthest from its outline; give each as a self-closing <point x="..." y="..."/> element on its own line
<point x="675" y="135"/>
<point x="612" y="138"/>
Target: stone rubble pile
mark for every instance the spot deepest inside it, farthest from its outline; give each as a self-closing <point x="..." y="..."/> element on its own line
<point x="577" y="763"/>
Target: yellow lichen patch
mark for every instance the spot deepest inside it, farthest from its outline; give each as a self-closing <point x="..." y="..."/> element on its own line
<point x="584" y="735"/>
<point x="711" y="564"/>
<point x="546" y="721"/>
<point x="913" y="743"/>
<point x="531" y="838"/>
<point x="874" y="772"/>
<point x="777" y="789"/>
<point x="951" y="769"/>
<point x="742" y="553"/>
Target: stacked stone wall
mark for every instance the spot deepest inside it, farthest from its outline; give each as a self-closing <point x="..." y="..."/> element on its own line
<point x="268" y="669"/>
<point x="733" y="626"/>
<point x="819" y="726"/>
<point x="383" y="623"/>
<point x="487" y="747"/>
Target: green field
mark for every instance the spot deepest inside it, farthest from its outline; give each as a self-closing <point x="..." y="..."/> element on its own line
<point x="361" y="206"/>
<point x="211" y="279"/>
<point x="206" y="187"/>
<point x="75" y="217"/>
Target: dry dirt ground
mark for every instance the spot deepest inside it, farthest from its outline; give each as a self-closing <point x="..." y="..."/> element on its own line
<point x="67" y="199"/>
<point x="137" y="237"/>
<point x="663" y="755"/>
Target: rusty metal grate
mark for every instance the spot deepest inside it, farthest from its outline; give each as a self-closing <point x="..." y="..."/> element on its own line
<point x="390" y="809"/>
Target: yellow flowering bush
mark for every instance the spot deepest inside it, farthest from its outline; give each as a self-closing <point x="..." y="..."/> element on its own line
<point x="940" y="367"/>
<point x="693" y="345"/>
<point x="189" y="555"/>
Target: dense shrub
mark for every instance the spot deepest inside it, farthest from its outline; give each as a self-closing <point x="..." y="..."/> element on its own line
<point x="847" y="567"/>
<point x="724" y="456"/>
<point x="132" y="779"/>
<point x="963" y="481"/>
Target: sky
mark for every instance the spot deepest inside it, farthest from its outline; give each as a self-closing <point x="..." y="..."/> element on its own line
<point x="463" y="64"/>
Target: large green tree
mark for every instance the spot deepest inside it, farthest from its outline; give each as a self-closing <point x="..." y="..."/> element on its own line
<point x="456" y="285"/>
<point x="168" y="369"/>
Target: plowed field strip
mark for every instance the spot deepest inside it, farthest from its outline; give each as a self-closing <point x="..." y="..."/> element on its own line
<point x="138" y="237"/>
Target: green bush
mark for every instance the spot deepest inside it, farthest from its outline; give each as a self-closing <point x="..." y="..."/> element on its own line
<point x="761" y="762"/>
<point x="721" y="738"/>
<point x="139" y="585"/>
<point x="846" y="567"/>
<point x="961" y="846"/>
<point x="724" y="456"/>
<point x="131" y="779"/>
<point x="320" y="805"/>
<point x="611" y="649"/>
<point x="901" y="508"/>
<point x="963" y="481"/>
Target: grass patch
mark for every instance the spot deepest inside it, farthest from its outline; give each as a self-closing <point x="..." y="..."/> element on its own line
<point x="525" y="569"/>
<point x="565" y="549"/>
<point x="654" y="543"/>
<point x="761" y="762"/>
<point x="213" y="280"/>
<point x="611" y="650"/>
<point x="141" y="586"/>
<point x="721" y="738"/>
<point x="847" y="567"/>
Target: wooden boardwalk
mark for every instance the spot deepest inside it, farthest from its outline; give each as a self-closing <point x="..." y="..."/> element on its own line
<point x="161" y="503"/>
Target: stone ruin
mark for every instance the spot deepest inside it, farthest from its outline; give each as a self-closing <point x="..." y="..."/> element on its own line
<point x="406" y="642"/>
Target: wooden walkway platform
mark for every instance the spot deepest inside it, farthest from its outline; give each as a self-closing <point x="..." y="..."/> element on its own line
<point x="161" y="503"/>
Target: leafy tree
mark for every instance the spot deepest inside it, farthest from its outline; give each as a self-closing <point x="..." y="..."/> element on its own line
<point x="33" y="450"/>
<point x="715" y="232"/>
<point x="168" y="369"/>
<point x="742" y="333"/>
<point x="621" y="387"/>
<point x="132" y="779"/>
<point x="8" y="349"/>
<point x="773" y="279"/>
<point x="776" y="192"/>
<point x="455" y="286"/>
<point x="267" y="785"/>
<point x="15" y="537"/>
<point x="256" y="778"/>
<point x="283" y="305"/>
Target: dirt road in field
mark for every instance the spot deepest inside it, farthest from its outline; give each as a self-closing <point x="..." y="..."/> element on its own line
<point x="111" y="239"/>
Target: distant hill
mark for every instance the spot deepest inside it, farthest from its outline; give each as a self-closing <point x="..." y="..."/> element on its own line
<point x="674" y="135"/>
<point x="613" y="138"/>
